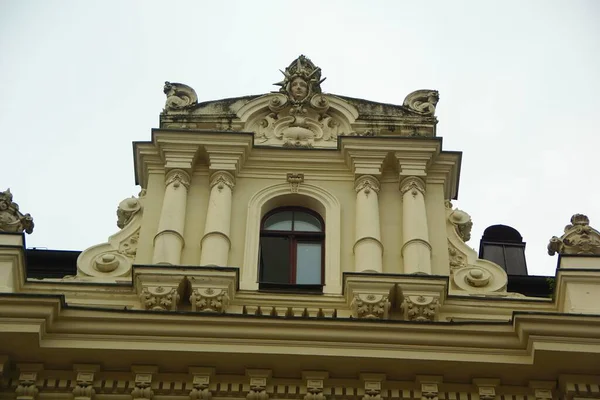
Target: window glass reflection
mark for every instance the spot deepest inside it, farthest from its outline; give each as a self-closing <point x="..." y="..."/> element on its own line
<point x="308" y="263"/>
<point x="304" y="222"/>
<point x="281" y="221"/>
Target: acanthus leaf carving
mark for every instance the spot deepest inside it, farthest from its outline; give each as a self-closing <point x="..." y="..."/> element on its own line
<point x="11" y="219"/>
<point x="578" y="238"/>
<point x="420" y="308"/>
<point x="177" y="178"/>
<point x="413" y="184"/>
<point x="222" y="179"/>
<point x="129" y="246"/>
<point x="367" y="184"/>
<point x="370" y="306"/>
<point x="294" y="180"/>
<point x="179" y="96"/>
<point x="457" y="259"/>
<point x="422" y="101"/>
<point x="209" y="300"/>
<point x="159" y="298"/>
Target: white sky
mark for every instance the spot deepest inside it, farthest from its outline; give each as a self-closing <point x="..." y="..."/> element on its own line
<point x="519" y="83"/>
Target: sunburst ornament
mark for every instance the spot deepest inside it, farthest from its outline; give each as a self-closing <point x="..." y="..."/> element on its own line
<point x="302" y="80"/>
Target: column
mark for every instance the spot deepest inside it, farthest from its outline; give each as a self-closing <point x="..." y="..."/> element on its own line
<point x="368" y="250"/>
<point x="416" y="250"/>
<point x="168" y="242"/>
<point x="215" y="242"/>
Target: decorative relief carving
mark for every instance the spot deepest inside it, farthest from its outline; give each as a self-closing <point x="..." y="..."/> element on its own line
<point x="413" y="184"/>
<point x="209" y="300"/>
<point x="295" y="180"/>
<point x="84" y="389"/>
<point x="314" y="385"/>
<point x="220" y="179"/>
<point x="159" y="298"/>
<point x="27" y="390"/>
<point x="579" y="238"/>
<point x="372" y="390"/>
<point x="429" y="391"/>
<point x="420" y="308"/>
<point x="258" y="389"/>
<point x="200" y="388"/>
<point x="457" y="259"/>
<point x="129" y="246"/>
<point x="126" y="210"/>
<point x="179" y="96"/>
<point x="178" y="177"/>
<point x="462" y="222"/>
<point x="370" y="306"/>
<point x="11" y="219"/>
<point x="368" y="184"/>
<point x="422" y="101"/>
<point x="299" y="115"/>
<point x="142" y="390"/>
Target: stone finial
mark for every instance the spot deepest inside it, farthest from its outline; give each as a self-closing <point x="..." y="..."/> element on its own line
<point x="579" y="238"/>
<point x="11" y="219"/>
<point x="422" y="101"/>
<point x="179" y="96"/>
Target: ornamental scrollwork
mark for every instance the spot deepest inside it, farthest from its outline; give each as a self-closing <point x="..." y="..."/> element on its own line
<point x="422" y="101"/>
<point x="367" y="184"/>
<point x="129" y="247"/>
<point x="457" y="259"/>
<point x="209" y="300"/>
<point x="420" y="308"/>
<point x="370" y="306"/>
<point x="222" y="179"/>
<point x="299" y="114"/>
<point x="178" y="177"/>
<point x="84" y="389"/>
<point x="200" y="389"/>
<point x="413" y="184"/>
<point x="258" y="389"/>
<point x="179" y="96"/>
<point x="579" y="238"/>
<point x="159" y="298"/>
<point x="11" y="219"/>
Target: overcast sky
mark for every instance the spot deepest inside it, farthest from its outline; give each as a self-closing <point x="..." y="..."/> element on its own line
<point x="519" y="85"/>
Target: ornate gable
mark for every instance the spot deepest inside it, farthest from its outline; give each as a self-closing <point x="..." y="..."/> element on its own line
<point x="300" y="114"/>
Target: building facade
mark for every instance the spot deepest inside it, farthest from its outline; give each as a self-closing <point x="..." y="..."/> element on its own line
<point x="295" y="245"/>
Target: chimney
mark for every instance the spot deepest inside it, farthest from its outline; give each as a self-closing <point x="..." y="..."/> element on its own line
<point x="504" y="246"/>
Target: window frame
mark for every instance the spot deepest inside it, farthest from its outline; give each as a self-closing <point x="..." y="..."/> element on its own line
<point x="294" y="238"/>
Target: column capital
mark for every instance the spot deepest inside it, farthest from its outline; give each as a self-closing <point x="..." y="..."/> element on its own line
<point x="413" y="163"/>
<point x="177" y="177"/>
<point x="222" y="179"/>
<point x="413" y="184"/>
<point x="367" y="183"/>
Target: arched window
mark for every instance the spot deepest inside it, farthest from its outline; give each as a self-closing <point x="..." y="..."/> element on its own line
<point x="291" y="249"/>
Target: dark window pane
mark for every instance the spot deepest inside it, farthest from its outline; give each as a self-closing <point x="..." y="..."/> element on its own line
<point x="515" y="260"/>
<point x="494" y="253"/>
<point x="281" y="221"/>
<point x="304" y="222"/>
<point x="308" y="263"/>
<point x="275" y="259"/>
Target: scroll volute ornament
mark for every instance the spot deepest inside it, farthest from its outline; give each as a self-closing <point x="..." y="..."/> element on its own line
<point x="179" y="96"/>
<point x="422" y="101"/>
<point x="11" y="219"/>
<point x="462" y="222"/>
<point x="579" y="238"/>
